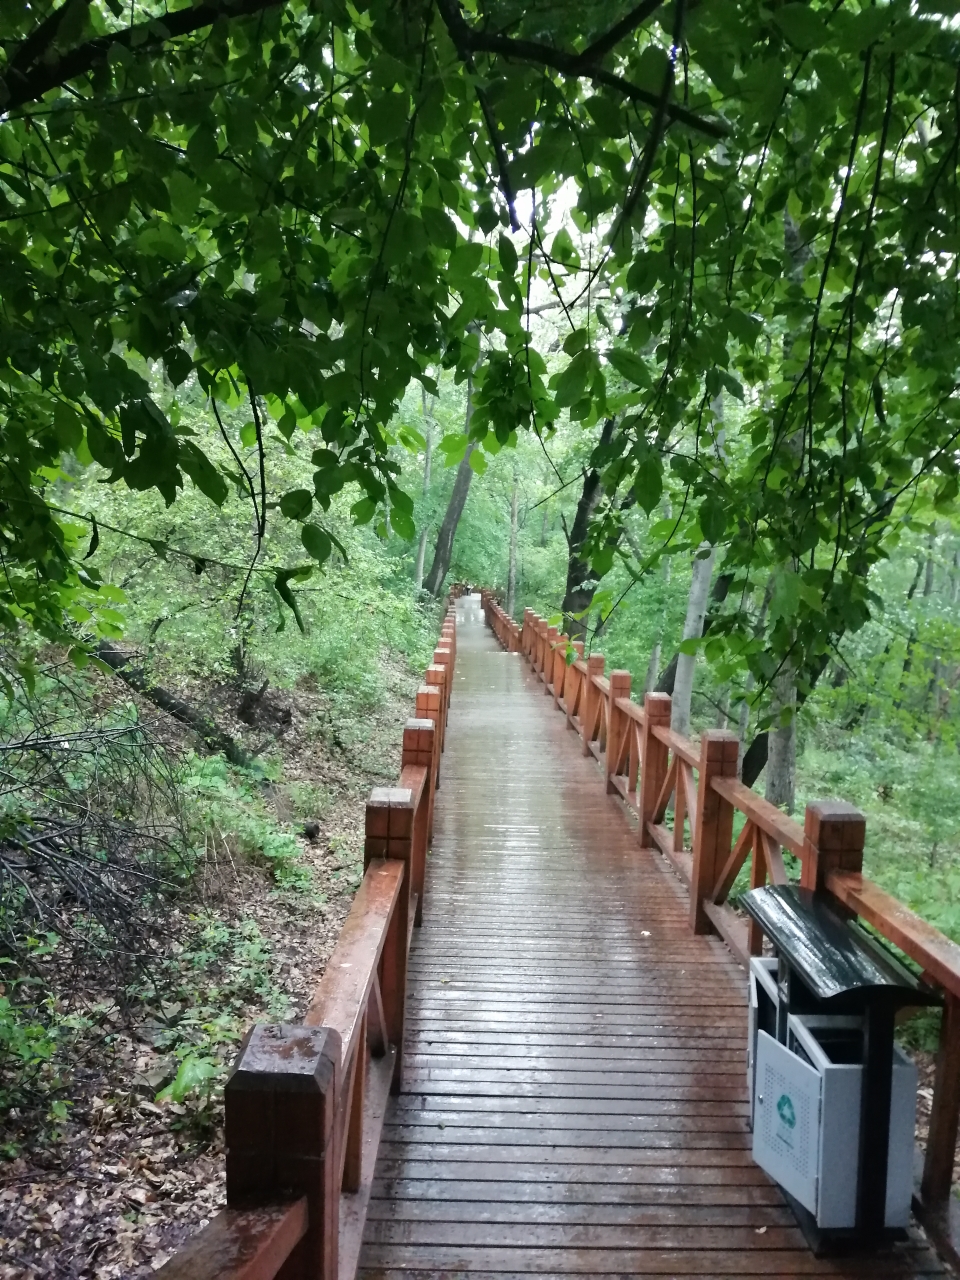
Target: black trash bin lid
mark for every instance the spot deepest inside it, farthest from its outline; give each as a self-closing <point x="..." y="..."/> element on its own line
<point x="833" y="957"/>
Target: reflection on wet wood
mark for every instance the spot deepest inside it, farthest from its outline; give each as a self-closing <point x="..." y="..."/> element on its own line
<point x="574" y="1093"/>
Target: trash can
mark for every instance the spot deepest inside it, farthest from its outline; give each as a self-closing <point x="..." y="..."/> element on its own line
<point x="833" y="1098"/>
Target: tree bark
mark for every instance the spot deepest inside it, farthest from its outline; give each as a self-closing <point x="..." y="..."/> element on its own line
<point x="692" y="630"/>
<point x="427" y="460"/>
<point x="135" y="678"/>
<point x="717" y="596"/>
<point x="653" y="666"/>
<point x="781" y="779"/>
<point x="512" y="564"/>
<point x="912" y="641"/>
<point x="579" y="594"/>
<point x="458" y="498"/>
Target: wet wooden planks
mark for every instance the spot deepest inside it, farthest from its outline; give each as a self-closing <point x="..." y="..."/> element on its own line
<point x="574" y="1097"/>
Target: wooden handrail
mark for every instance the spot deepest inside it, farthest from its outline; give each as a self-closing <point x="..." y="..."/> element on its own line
<point x="679" y="745"/>
<point x="340" y="1000"/>
<point x="304" y="1106"/>
<point x="242" y="1244"/>
<point x="632" y="710"/>
<point x="761" y="812"/>
<point x="647" y="763"/>
<point x="936" y="954"/>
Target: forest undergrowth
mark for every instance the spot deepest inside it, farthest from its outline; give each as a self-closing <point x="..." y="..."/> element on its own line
<point x="115" y="1042"/>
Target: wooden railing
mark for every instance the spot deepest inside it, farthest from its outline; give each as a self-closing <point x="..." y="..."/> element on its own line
<point x="304" y="1105"/>
<point x="649" y="766"/>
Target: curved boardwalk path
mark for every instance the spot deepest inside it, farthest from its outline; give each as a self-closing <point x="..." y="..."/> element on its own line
<point x="574" y="1097"/>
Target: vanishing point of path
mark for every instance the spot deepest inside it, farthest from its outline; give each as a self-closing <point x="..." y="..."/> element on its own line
<point x="574" y="1097"/>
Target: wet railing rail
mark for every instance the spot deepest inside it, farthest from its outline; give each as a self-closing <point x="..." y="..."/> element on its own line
<point x="656" y="771"/>
<point x="304" y="1105"/>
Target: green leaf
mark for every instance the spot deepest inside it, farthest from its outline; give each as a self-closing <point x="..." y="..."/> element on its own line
<point x="576" y="341"/>
<point x="439" y="227"/>
<point x="281" y="585"/>
<point x="453" y="447"/>
<point x="387" y="118"/>
<point x="629" y="365"/>
<point x="203" y="473"/>
<point x="601" y="562"/>
<point x="316" y="542"/>
<point x="402" y="524"/>
<point x="803" y="26"/>
<point x="364" y="510"/>
<point x="104" y="448"/>
<point x="648" y="482"/>
<point x="94" y="538"/>
<point x="857" y="31"/>
<point x="464" y="261"/>
<point x="194" y="1072"/>
<point x="508" y="255"/>
<point x="572" y="382"/>
<point x="712" y="518"/>
<point x="651" y="69"/>
<point x="606" y="115"/>
<point x="296" y="504"/>
<point x="690" y="646"/>
<point x="178" y="365"/>
<point x="478" y="462"/>
<point x="562" y="249"/>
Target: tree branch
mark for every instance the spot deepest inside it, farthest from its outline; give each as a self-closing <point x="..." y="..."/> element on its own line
<point x="40" y="39"/>
<point x="85" y="57"/>
<point x="467" y="38"/>
<point x="605" y="43"/>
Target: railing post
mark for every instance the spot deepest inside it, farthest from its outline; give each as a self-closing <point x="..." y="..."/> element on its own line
<point x="559" y="667"/>
<point x="436" y="677"/>
<point x="589" y="700"/>
<point x="548" y="654"/>
<point x="617" y="725"/>
<point x="279" y="1124"/>
<point x="654" y="760"/>
<point x="428" y="708"/>
<point x="443" y="657"/>
<point x="945" y="1109"/>
<point x="833" y="837"/>
<point x="525" y="632"/>
<point x="419" y="748"/>
<point x="389" y="834"/>
<point x="714" y="826"/>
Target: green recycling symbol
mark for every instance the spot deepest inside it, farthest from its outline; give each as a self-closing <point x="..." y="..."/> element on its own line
<point x="786" y="1112"/>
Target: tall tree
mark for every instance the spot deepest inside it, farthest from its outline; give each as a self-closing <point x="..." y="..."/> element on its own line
<point x="512" y="560"/>
<point x="427" y="463"/>
<point x="443" y="552"/>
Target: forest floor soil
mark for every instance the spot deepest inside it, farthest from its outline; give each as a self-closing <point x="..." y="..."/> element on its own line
<point x="128" y="1179"/>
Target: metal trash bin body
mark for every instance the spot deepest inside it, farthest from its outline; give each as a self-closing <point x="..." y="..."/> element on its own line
<point x="833" y="1100"/>
<point x="806" y="1131"/>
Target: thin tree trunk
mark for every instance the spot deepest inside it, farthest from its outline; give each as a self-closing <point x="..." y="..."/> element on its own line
<point x="418" y="570"/>
<point x="781" y="779"/>
<point x="723" y="710"/>
<point x="427" y="461"/>
<point x="579" y="594"/>
<point x="743" y="724"/>
<point x="458" y="498"/>
<point x="512" y="565"/>
<point x="692" y="630"/>
<point x="911" y="643"/>
<point x="135" y="678"/>
<point x="653" y="666"/>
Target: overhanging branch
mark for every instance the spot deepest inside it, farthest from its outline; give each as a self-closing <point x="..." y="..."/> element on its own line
<point x="469" y="39"/>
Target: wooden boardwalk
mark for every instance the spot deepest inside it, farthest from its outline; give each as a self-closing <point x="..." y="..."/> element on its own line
<point x="574" y="1098"/>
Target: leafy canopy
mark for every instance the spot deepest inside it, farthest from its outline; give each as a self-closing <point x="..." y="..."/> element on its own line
<point x="303" y="207"/>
